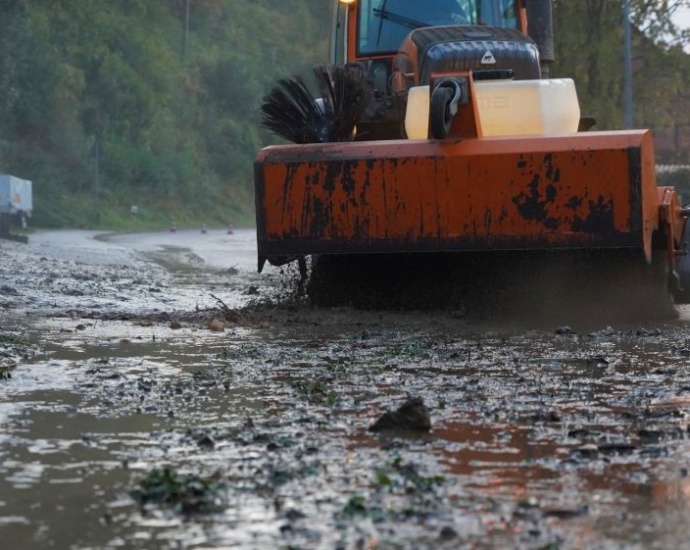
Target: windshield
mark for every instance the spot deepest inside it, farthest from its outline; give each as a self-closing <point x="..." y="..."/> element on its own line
<point x="384" y="24"/>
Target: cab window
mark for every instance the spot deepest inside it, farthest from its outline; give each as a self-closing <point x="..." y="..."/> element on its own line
<point x="498" y="13"/>
<point x="384" y="24"/>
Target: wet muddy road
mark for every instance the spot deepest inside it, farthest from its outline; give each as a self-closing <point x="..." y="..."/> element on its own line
<point x="156" y="393"/>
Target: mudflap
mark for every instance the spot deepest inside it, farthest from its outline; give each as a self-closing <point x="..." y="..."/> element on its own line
<point x="672" y="236"/>
<point x="680" y="287"/>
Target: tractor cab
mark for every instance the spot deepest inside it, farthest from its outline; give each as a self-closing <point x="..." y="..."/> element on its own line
<point x="398" y="44"/>
<point x="364" y="29"/>
<point x="383" y="25"/>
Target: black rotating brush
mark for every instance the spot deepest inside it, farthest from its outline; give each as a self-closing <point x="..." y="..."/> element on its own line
<point x="323" y="108"/>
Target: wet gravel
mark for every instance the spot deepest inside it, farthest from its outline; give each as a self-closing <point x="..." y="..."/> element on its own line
<point x="153" y="397"/>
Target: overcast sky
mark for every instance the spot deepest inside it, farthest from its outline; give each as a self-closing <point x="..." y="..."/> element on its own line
<point x="682" y="17"/>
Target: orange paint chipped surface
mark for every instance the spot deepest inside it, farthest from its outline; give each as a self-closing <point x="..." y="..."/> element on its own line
<point x="579" y="190"/>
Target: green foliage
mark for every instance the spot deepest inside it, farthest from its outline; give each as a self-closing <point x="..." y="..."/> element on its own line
<point x="182" y="493"/>
<point x="356" y="505"/>
<point x="108" y="104"/>
<point x="405" y="478"/>
<point x="316" y="392"/>
<point x="588" y="42"/>
<point x="415" y="494"/>
<point x="589" y="38"/>
<point x="10" y="339"/>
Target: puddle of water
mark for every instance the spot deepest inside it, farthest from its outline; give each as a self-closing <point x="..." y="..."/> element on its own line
<point x="215" y="248"/>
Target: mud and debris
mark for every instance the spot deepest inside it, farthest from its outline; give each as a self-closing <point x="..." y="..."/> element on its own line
<point x="185" y="494"/>
<point x="412" y="415"/>
<point x="127" y="420"/>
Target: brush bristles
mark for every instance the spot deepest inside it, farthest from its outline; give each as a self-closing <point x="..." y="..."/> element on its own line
<point x="324" y="109"/>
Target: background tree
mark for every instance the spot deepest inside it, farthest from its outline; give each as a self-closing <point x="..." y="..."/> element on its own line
<point x="151" y="102"/>
<point x="589" y="48"/>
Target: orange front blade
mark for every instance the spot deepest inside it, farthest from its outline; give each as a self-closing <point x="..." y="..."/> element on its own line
<point x="587" y="190"/>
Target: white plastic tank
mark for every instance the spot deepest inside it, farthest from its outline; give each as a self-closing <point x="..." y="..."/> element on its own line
<point x="508" y="108"/>
<point x="417" y="114"/>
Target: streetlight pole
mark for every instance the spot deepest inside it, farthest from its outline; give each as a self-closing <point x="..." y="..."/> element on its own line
<point x="627" y="65"/>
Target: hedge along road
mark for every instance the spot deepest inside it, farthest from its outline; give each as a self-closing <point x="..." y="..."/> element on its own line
<point x="155" y="392"/>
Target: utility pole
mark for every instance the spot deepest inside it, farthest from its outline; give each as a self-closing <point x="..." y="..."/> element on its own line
<point x="627" y="65"/>
<point x="95" y="151"/>
<point x="186" y="30"/>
